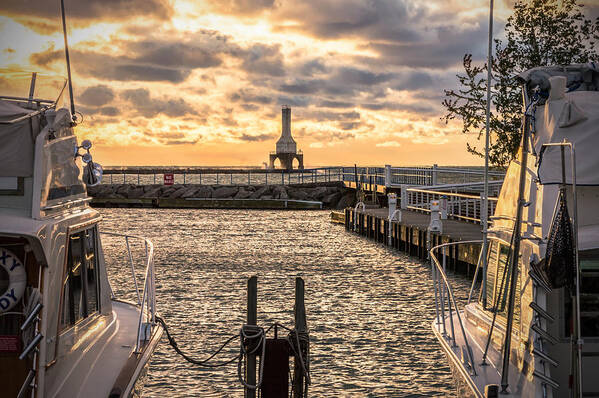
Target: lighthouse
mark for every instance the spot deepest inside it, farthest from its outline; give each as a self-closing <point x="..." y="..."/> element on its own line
<point x="286" y="145"/>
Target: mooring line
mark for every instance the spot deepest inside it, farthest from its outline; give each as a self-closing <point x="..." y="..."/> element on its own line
<point x="202" y="363"/>
<point x="247" y="334"/>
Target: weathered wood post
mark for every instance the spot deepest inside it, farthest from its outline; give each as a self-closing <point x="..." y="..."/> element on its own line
<point x="252" y="318"/>
<point x="301" y="327"/>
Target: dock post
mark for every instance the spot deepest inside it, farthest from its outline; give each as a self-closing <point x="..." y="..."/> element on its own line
<point x="301" y="327"/>
<point x="252" y="319"/>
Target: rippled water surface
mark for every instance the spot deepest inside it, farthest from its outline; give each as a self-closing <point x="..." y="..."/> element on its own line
<point x="369" y="308"/>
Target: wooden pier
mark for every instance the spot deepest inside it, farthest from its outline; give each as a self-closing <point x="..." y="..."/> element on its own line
<point x="411" y="235"/>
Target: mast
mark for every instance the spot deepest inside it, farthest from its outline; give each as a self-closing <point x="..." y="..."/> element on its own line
<point x="66" y="52"/>
<point x="485" y="210"/>
<point x="515" y="252"/>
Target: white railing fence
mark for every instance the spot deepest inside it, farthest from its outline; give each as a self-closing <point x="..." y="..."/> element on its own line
<point x="466" y="207"/>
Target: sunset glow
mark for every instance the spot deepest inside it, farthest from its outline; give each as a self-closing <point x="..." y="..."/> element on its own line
<point x="202" y="83"/>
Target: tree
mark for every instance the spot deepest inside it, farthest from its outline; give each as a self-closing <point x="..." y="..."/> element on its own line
<point x="539" y="33"/>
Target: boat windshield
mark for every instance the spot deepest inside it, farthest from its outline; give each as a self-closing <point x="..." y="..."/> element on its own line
<point x="498" y="281"/>
<point x="43" y="89"/>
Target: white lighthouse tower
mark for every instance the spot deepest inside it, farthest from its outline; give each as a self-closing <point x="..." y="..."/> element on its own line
<point x="286" y="145"/>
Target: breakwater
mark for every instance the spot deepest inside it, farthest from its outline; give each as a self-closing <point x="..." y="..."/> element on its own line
<point x="332" y="195"/>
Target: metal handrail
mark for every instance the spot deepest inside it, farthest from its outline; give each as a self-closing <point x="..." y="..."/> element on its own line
<point x="147" y="304"/>
<point x="442" y="291"/>
<point x="445" y="193"/>
<point x="418" y="199"/>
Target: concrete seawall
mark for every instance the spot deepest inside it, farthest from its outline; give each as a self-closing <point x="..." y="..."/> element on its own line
<point x="332" y="195"/>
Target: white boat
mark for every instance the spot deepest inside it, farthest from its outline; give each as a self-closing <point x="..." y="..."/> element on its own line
<point x="63" y="333"/>
<point x="553" y="344"/>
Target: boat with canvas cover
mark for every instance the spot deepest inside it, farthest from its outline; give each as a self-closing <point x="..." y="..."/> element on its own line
<point x="531" y="328"/>
<point x="63" y="331"/>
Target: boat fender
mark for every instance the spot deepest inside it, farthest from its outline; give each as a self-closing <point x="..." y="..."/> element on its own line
<point x="17" y="279"/>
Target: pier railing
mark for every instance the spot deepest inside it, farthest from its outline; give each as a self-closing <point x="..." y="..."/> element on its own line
<point x="456" y="205"/>
<point x="395" y="177"/>
<point x="146" y="297"/>
<point x="370" y="178"/>
<point x="220" y="176"/>
<point x="446" y="305"/>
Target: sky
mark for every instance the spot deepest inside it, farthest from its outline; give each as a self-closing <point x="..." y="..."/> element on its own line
<point x="161" y="82"/>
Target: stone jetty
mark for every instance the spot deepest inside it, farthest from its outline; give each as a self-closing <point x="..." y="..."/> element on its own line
<point x="333" y="195"/>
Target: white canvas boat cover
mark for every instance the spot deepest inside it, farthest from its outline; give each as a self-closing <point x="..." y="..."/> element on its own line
<point x="568" y="111"/>
<point x="16" y="141"/>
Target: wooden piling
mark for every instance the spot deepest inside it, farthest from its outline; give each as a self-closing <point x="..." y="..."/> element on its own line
<point x="252" y="319"/>
<point x="301" y="327"/>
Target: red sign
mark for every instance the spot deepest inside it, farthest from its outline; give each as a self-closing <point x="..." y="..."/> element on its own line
<point x="169" y="178"/>
<point x="10" y="344"/>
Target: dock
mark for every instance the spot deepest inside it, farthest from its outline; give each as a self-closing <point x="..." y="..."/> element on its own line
<point x="411" y="235"/>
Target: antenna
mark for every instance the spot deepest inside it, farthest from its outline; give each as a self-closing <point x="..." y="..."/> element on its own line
<point x="66" y="52"/>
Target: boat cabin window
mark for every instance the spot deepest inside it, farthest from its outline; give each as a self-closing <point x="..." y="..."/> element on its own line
<point x="498" y="281"/>
<point x="80" y="283"/>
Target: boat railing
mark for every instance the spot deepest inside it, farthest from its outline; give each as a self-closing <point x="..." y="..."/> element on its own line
<point x="146" y="296"/>
<point x="446" y="304"/>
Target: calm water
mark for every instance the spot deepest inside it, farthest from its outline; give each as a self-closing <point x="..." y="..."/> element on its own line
<point x="369" y="308"/>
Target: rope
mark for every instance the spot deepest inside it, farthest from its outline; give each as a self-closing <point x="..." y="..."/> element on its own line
<point x="300" y="337"/>
<point x="203" y="363"/>
<point x="255" y="337"/>
<point x="258" y="334"/>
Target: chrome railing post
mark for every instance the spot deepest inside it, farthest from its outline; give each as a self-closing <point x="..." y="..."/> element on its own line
<point x="436" y="291"/>
<point x="452" y="301"/>
<point x="147" y="302"/>
<point x="132" y="269"/>
<point x="442" y="294"/>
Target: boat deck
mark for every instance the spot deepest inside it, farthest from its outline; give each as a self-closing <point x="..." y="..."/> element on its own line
<point x="109" y="361"/>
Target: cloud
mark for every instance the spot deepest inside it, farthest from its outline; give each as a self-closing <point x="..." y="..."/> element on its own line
<point x="175" y="55"/>
<point x="334" y="19"/>
<point x="422" y="108"/>
<point x="44" y="16"/>
<point x="335" y="104"/>
<point x="255" y="138"/>
<point x="349" y="125"/>
<point x="302" y="87"/>
<point x="312" y="67"/>
<point x="388" y="144"/>
<point x="147" y="60"/>
<point x="352" y="75"/>
<point x="320" y="116"/>
<point x="169" y="138"/>
<point x="249" y="95"/>
<point x="96" y="95"/>
<point x="181" y="142"/>
<point x="442" y="49"/>
<point x="242" y="7"/>
<point x="263" y="59"/>
<point x="151" y="107"/>
<point x="414" y="80"/>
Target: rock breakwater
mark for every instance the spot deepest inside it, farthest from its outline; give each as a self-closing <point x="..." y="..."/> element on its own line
<point x="333" y="195"/>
